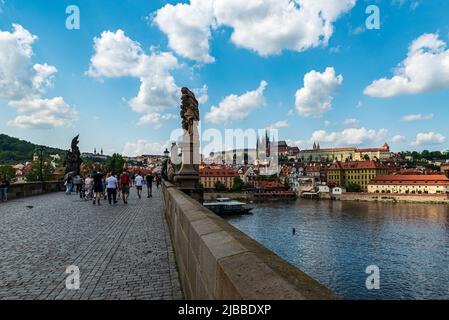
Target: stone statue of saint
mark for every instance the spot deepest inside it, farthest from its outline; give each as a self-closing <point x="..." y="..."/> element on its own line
<point x="73" y="159"/>
<point x="189" y="110"/>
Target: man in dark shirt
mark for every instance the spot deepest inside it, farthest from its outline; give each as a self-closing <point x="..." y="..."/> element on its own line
<point x="98" y="186"/>
<point x="4" y="185"/>
<point x="149" y="178"/>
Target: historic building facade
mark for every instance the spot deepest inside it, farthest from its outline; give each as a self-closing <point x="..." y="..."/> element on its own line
<point x="316" y="154"/>
<point x="342" y="174"/>
<point x="410" y="184"/>
<point x="210" y="175"/>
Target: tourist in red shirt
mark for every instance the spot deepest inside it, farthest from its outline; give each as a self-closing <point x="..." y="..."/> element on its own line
<point x="124" y="186"/>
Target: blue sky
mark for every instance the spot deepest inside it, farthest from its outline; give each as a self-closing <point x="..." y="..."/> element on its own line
<point x="252" y="74"/>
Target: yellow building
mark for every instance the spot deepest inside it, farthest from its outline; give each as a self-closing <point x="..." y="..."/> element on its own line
<point x="410" y="184"/>
<point x="210" y="175"/>
<point x="342" y="174"/>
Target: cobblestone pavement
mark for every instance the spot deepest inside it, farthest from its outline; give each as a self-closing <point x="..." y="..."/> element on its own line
<point x="122" y="252"/>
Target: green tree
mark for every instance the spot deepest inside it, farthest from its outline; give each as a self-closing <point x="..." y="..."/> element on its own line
<point x="34" y="173"/>
<point x="426" y="155"/>
<point x="88" y="167"/>
<point x="353" y="187"/>
<point x="8" y="171"/>
<point x="287" y="184"/>
<point x="219" y="186"/>
<point x="115" y="164"/>
<point x="237" y="184"/>
<point x="366" y="157"/>
<point x="13" y="150"/>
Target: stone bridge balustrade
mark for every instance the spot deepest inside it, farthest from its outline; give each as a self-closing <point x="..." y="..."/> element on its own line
<point x="217" y="261"/>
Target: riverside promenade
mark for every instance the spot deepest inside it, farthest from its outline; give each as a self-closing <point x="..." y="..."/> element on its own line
<point x="122" y="252"/>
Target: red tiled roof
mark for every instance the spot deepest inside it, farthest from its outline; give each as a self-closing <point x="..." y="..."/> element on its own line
<point x="410" y="179"/>
<point x="218" y="172"/>
<point x="370" y="150"/>
<point x="330" y="150"/>
<point x="293" y="149"/>
<point x="269" y="185"/>
<point x="384" y="148"/>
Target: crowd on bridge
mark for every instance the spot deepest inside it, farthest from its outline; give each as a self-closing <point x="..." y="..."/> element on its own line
<point x="113" y="187"/>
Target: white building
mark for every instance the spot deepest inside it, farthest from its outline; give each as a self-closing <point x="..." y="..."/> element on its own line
<point x="410" y="184"/>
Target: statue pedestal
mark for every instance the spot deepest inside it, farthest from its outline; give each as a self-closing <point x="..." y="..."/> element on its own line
<point x="187" y="179"/>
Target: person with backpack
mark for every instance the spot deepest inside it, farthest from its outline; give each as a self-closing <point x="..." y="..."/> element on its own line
<point x="124" y="185"/>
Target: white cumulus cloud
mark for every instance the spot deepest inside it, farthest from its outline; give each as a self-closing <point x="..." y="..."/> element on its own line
<point x="234" y="107"/>
<point x="349" y="137"/>
<point x="397" y="138"/>
<point x="428" y="138"/>
<point x="116" y="55"/>
<point x="45" y="113"/>
<point x="23" y="84"/>
<point x="315" y="98"/>
<point x="417" y="117"/>
<point x="278" y="125"/>
<point x="426" y="68"/>
<point x="141" y="147"/>
<point x="351" y="121"/>
<point x="265" y="26"/>
<point x="188" y="27"/>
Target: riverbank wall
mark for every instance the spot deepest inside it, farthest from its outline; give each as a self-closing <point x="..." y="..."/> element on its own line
<point x="240" y="196"/>
<point x="403" y="198"/>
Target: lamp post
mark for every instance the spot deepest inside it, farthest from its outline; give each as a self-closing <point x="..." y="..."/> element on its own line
<point x="41" y="151"/>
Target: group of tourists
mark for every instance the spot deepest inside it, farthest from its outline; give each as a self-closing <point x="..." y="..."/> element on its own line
<point x="110" y="186"/>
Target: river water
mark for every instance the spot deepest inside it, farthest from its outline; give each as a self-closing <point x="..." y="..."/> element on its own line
<point x="336" y="241"/>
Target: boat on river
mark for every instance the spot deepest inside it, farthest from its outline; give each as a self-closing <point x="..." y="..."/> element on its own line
<point x="227" y="206"/>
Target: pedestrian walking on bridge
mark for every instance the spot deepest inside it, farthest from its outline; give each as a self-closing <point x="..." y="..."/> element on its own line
<point x="124" y="185"/>
<point x="112" y="186"/>
<point x="4" y="185"/>
<point x="139" y="184"/>
<point x="98" y="187"/>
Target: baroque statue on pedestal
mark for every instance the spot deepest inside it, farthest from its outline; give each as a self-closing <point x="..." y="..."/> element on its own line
<point x="189" y="110"/>
<point x="73" y="159"/>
